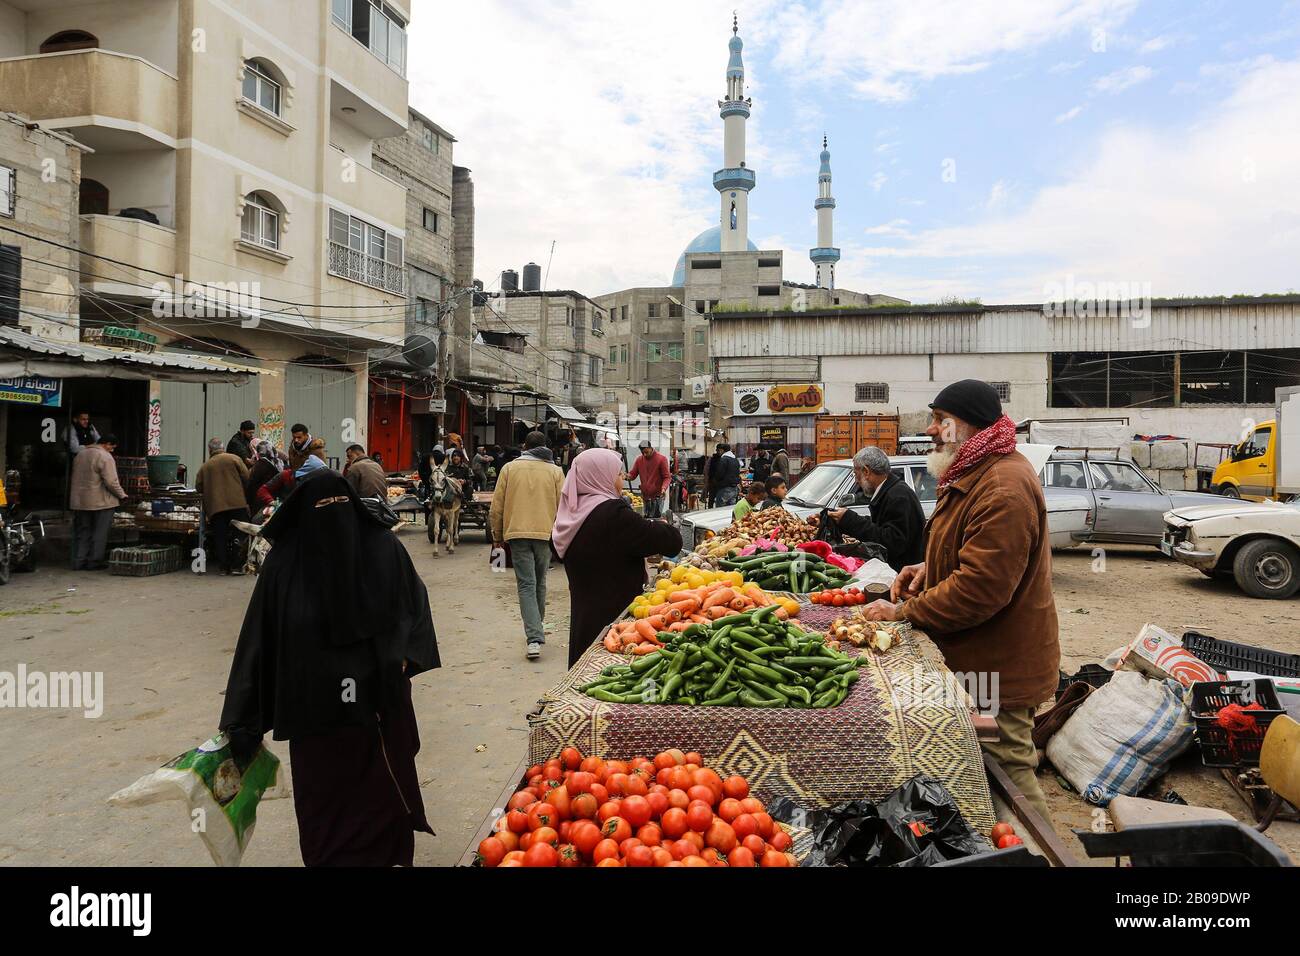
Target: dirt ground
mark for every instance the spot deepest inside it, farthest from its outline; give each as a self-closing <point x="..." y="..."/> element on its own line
<point x="164" y="646"/>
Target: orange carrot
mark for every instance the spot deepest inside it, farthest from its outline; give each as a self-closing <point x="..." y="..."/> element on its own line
<point x="686" y="607"/>
<point x="756" y="594"/>
<point x="741" y="604"/>
<point x="719" y="612"/>
<point x="612" y="643"/>
<point x="679" y="625"/>
<point x="646" y="630"/>
<point x="720" y="596"/>
<point x="701" y="619"/>
<point x="657" y="623"/>
<point x="642" y="649"/>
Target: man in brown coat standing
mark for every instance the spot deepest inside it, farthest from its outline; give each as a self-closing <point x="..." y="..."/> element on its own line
<point x="365" y="475"/>
<point x="95" y="493"/>
<point x="984" y="591"/>
<point x="221" y="481"/>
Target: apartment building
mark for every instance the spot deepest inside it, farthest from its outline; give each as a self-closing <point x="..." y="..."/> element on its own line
<point x="232" y="203"/>
<point x="402" y="419"/>
<point x="552" y="343"/>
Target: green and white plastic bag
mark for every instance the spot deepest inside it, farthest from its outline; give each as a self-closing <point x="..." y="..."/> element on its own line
<point x="222" y="795"/>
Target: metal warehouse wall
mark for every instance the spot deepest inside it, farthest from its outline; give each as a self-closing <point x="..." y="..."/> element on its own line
<point x="1011" y="329"/>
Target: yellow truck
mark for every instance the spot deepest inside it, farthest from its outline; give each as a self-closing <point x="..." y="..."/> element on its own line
<point x="1266" y="464"/>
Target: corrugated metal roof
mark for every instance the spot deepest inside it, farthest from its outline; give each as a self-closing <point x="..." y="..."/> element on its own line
<point x="1268" y="323"/>
<point x="85" y="352"/>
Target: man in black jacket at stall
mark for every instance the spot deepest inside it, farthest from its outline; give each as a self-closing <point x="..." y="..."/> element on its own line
<point x="726" y="477"/>
<point x="896" y="522"/>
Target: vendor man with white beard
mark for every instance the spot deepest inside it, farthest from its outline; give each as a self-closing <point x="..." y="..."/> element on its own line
<point x="984" y="591"/>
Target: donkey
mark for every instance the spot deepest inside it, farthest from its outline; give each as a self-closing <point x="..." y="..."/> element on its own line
<point x="445" y="503"/>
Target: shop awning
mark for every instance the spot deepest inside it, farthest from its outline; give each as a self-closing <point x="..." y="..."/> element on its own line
<point x="22" y="353"/>
<point x="567" y="412"/>
<point x="592" y="427"/>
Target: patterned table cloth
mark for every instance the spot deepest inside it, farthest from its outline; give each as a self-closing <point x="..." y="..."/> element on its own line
<point x="906" y="714"/>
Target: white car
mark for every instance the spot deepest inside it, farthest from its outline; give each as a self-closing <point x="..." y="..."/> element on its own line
<point x="832" y="485"/>
<point x="1258" y="543"/>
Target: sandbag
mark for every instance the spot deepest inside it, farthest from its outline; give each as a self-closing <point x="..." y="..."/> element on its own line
<point x="1122" y="737"/>
<point x="222" y="793"/>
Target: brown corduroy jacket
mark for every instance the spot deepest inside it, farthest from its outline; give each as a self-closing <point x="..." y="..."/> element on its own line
<point x="988" y="601"/>
<point x="221" y="480"/>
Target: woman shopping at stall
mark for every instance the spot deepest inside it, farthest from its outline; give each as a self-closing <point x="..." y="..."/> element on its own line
<point x="603" y="544"/>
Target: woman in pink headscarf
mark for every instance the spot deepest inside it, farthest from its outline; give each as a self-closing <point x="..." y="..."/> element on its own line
<point x="603" y="544"/>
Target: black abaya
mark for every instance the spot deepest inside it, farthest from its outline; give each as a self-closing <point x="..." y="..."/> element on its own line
<point x="337" y="625"/>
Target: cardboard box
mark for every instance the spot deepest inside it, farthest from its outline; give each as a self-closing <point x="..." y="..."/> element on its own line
<point x="1157" y="653"/>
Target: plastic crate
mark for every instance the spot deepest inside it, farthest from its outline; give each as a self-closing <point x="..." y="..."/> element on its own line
<point x="1228" y="656"/>
<point x="1094" y="675"/>
<point x="145" y="561"/>
<point x="1219" y="746"/>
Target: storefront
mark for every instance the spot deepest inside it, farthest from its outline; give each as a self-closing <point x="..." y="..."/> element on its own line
<point x="776" y="416"/>
<point x="46" y="383"/>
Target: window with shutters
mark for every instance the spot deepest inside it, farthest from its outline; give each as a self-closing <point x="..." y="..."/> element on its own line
<point x="674" y="310"/>
<point x="652" y="310"/>
<point x="8" y="191"/>
<point x="1004" y="390"/>
<point x="11" y="272"/>
<point x="871" y="392"/>
<point x="654" y="394"/>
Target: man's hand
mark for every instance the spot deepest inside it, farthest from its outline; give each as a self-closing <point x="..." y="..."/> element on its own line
<point x="839" y="514"/>
<point x="881" y="610"/>
<point x="498" y="544"/>
<point x="909" y="582"/>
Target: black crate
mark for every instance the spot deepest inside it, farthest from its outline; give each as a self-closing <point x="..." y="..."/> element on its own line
<point x="1094" y="675"/>
<point x="1219" y="746"/>
<point x="1227" y="656"/>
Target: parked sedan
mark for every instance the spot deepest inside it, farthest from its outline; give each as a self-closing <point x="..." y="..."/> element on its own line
<point x="1128" y="507"/>
<point x="833" y="485"/>
<point x="1258" y="544"/>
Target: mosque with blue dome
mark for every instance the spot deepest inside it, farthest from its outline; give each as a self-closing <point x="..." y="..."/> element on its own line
<point x="657" y="337"/>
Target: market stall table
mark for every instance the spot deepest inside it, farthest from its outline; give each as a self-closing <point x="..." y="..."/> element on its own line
<point x="906" y="714"/>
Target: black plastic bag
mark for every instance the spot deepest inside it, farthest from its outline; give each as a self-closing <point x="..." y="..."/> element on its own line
<point x="916" y="825"/>
<point x="828" y="529"/>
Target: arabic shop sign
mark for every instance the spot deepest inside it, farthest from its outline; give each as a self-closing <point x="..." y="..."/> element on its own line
<point x="32" y="390"/>
<point x="806" y="398"/>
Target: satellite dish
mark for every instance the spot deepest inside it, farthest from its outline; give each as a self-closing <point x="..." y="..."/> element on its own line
<point x="420" y="351"/>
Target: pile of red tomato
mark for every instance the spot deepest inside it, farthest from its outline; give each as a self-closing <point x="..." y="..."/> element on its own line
<point x="669" y="811"/>
<point x="839" y="597"/>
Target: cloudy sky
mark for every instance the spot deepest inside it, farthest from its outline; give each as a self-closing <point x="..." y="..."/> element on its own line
<point x="987" y="149"/>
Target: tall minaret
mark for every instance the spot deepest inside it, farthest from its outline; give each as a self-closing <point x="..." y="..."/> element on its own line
<point x="825" y="255"/>
<point x="734" y="180"/>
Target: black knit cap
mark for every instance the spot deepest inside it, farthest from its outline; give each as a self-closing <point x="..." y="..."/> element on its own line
<point x="972" y="401"/>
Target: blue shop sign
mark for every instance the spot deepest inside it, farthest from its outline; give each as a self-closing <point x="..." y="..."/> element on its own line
<point x="32" y="390"/>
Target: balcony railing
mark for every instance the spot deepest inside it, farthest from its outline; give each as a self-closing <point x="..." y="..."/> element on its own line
<point x="349" y="263"/>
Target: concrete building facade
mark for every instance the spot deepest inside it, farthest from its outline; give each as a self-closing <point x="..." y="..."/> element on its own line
<point x="233" y="203"/>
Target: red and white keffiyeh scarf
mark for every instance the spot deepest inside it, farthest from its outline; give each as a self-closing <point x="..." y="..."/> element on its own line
<point x="998" y="439"/>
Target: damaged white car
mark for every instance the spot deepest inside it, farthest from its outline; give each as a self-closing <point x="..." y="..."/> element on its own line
<point x="1257" y="543"/>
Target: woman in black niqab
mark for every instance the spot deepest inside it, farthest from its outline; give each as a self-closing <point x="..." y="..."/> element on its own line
<point x="336" y="627"/>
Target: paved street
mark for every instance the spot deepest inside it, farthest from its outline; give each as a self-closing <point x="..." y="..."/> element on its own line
<point x="164" y="645"/>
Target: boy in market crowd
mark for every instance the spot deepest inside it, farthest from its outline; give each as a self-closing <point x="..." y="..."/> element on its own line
<point x="775" y="487"/>
<point x="754" y="494"/>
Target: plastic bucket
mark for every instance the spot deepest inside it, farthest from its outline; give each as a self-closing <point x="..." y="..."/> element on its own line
<point x="162" y="469"/>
